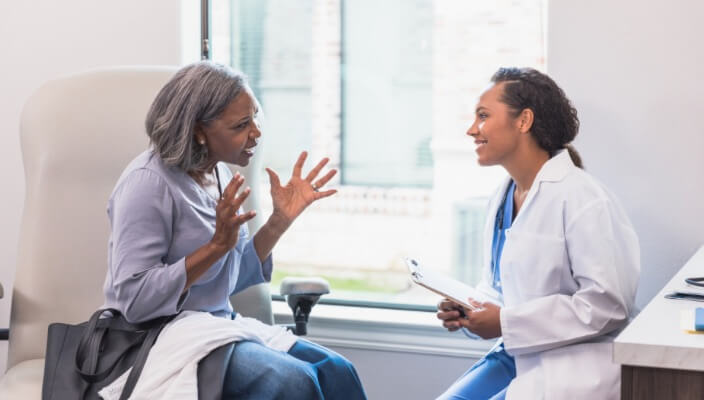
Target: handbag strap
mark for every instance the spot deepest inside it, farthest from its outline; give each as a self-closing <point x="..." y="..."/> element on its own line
<point x="94" y="349"/>
<point x="90" y="375"/>
<point x="88" y="351"/>
<point x="141" y="360"/>
<point x="89" y="346"/>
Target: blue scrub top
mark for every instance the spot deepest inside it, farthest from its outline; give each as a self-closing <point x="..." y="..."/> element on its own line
<point x="504" y="219"/>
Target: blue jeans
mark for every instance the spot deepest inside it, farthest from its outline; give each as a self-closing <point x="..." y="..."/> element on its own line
<point x="487" y="379"/>
<point x="307" y="371"/>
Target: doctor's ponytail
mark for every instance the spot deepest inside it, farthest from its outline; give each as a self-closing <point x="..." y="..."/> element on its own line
<point x="574" y="155"/>
<point x="555" y="122"/>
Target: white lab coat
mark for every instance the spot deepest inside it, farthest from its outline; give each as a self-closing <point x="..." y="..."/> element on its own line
<point x="569" y="272"/>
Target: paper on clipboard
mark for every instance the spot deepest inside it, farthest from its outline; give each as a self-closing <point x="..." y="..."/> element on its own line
<point x="443" y="285"/>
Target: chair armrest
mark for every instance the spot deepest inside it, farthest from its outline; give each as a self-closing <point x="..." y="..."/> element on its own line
<point x="301" y="295"/>
<point x="305" y="285"/>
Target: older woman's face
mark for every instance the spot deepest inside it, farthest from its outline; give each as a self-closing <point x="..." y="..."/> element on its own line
<point x="233" y="135"/>
<point x="494" y="130"/>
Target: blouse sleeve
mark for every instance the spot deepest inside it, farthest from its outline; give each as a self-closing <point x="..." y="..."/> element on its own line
<point x="141" y="214"/>
<point x="252" y="269"/>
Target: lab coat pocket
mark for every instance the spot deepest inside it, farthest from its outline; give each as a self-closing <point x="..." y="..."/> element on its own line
<point x="534" y="263"/>
<point x="581" y="371"/>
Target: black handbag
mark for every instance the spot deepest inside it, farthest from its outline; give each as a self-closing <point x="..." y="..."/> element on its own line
<point x="82" y="359"/>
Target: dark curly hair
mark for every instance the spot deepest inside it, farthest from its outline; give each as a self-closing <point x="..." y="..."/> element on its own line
<point x="555" y="122"/>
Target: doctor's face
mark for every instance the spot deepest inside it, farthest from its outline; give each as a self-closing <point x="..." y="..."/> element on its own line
<point x="233" y="135"/>
<point x="495" y="131"/>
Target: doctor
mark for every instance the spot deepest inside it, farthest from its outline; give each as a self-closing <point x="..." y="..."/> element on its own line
<point x="562" y="259"/>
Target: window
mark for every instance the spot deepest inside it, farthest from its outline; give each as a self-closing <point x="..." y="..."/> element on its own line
<point x="387" y="93"/>
<point x="387" y="90"/>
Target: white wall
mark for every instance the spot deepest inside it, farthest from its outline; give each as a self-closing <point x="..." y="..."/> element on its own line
<point x="45" y="39"/>
<point x="634" y="71"/>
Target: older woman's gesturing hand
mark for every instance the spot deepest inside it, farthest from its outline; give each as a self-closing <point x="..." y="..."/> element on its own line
<point x="290" y="200"/>
<point x="227" y="230"/>
<point x="227" y="221"/>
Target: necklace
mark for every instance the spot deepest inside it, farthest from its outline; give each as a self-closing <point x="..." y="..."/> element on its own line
<point x="217" y="177"/>
<point x="201" y="182"/>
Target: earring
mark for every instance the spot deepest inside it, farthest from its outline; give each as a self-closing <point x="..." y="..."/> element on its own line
<point x="201" y="141"/>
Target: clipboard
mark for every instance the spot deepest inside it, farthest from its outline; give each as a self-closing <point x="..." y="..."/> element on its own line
<point x="443" y="285"/>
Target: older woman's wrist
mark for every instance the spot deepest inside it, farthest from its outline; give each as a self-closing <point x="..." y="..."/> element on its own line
<point x="216" y="249"/>
<point x="277" y="224"/>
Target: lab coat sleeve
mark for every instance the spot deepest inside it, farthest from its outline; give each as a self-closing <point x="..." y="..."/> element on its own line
<point x="141" y="215"/>
<point x="605" y="264"/>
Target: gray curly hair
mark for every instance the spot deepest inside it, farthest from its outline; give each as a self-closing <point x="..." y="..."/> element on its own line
<point x="197" y="94"/>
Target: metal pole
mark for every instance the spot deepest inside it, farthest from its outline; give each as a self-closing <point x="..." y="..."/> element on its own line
<point x="204" y="29"/>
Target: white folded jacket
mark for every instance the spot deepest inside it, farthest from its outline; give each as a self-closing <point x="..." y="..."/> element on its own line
<point x="171" y="369"/>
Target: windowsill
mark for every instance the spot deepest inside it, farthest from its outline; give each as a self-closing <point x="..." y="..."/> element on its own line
<point x="383" y="330"/>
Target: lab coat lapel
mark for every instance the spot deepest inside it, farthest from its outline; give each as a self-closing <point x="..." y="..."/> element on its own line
<point x="554" y="170"/>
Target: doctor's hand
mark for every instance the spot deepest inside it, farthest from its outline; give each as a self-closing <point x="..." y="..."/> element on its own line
<point x="484" y="322"/>
<point x="450" y="313"/>
<point x="290" y="200"/>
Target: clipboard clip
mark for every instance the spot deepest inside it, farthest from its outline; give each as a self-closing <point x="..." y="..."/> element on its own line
<point x="412" y="265"/>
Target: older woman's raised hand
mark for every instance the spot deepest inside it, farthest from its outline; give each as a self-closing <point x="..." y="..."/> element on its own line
<point x="227" y="220"/>
<point x="290" y="200"/>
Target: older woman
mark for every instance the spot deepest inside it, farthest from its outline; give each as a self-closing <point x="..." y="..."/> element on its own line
<point x="179" y="239"/>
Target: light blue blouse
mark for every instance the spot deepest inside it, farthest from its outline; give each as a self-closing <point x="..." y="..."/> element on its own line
<point x="159" y="215"/>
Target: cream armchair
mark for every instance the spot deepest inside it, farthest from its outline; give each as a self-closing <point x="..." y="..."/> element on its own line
<point x="77" y="135"/>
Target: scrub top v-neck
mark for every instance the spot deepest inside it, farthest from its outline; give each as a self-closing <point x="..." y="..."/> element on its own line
<point x="504" y="219"/>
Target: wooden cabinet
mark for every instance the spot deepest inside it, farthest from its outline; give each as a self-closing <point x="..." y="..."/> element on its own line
<point x="645" y="383"/>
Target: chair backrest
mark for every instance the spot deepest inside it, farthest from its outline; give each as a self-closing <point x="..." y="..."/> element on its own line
<point x="77" y="135"/>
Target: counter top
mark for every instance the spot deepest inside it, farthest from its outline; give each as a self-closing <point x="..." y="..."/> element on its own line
<point x="654" y="338"/>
